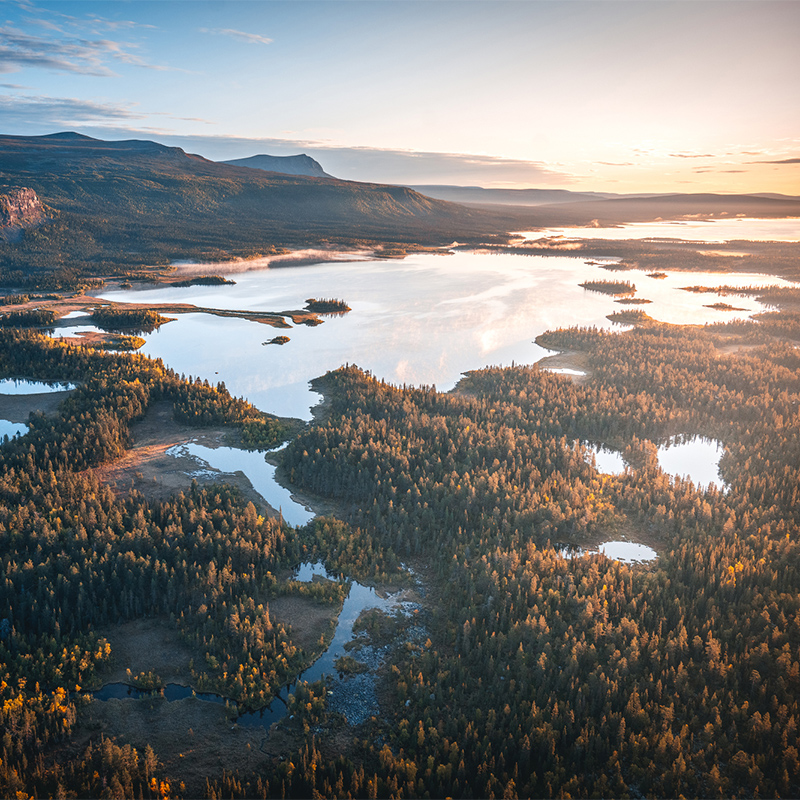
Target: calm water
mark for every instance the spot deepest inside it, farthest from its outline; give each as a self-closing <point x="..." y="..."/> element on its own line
<point x="627" y="552"/>
<point x="696" y="459"/>
<point x="12" y="429"/>
<point x="260" y="474"/>
<point x="360" y="598"/>
<point x="17" y="386"/>
<point x="423" y="320"/>
<point x="711" y="231"/>
<point x="607" y="461"/>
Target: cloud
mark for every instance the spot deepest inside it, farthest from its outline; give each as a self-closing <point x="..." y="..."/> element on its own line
<point x="59" y="111"/>
<point x="250" y="38"/>
<point x="48" y="114"/>
<point x="782" y="161"/>
<point x="19" y="50"/>
<point x="692" y="155"/>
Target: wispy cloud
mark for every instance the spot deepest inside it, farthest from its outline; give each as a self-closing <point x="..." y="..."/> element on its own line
<point x="65" y="53"/>
<point x="59" y="111"/>
<point x="692" y="155"/>
<point x="250" y="38"/>
<point x="52" y="113"/>
<point x="781" y="161"/>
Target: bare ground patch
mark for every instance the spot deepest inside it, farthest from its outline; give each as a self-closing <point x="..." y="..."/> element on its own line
<point x="18" y="407"/>
<point x="148" y="645"/>
<point x="569" y="359"/>
<point x="310" y="622"/>
<point x="192" y="739"/>
<point x="151" y="470"/>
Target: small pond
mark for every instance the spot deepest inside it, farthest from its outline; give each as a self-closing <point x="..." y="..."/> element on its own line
<point x="12" y="429"/>
<point x="627" y="552"/>
<point x="695" y="459"/>
<point x="607" y="461"/>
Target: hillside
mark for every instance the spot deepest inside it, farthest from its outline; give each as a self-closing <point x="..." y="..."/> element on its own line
<point x="506" y="197"/>
<point x="119" y="205"/>
<point x="287" y="165"/>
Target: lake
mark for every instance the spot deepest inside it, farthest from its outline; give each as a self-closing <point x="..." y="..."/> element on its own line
<point x="425" y="319"/>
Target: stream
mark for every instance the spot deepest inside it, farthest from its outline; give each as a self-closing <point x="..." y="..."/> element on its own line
<point x="360" y="598"/>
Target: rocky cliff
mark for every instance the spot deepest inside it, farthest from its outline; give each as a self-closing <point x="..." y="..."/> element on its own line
<point x="19" y="208"/>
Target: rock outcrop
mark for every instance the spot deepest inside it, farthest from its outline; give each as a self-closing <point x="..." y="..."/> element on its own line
<point x="20" y="208"/>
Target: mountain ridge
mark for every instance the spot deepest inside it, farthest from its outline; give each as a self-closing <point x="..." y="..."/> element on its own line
<point x="300" y="164"/>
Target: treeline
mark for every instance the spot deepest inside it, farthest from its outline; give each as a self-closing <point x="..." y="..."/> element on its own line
<point x="327" y="305"/>
<point x="30" y="318"/>
<point x="617" y="288"/>
<point x="204" y="280"/>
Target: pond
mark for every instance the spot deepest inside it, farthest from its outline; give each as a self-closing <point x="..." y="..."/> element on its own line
<point x="627" y="552"/>
<point x="607" y="461"/>
<point x="696" y="459"/>
<point x="12" y="429"/>
<point x="359" y="599"/>
<point x="425" y="319"/>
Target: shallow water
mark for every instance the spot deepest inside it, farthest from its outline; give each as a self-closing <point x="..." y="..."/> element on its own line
<point x="627" y="552"/>
<point x="422" y="320"/>
<point x="607" y="461"/>
<point x="260" y="474"/>
<point x="360" y="598"/>
<point x="696" y="459"/>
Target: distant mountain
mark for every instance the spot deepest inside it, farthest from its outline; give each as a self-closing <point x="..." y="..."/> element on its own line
<point x="509" y="197"/>
<point x="116" y="205"/>
<point x="285" y="165"/>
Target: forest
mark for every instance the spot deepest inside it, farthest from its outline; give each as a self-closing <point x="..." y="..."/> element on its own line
<point x="543" y="675"/>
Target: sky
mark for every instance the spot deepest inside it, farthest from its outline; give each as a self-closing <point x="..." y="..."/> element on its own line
<point x="600" y="95"/>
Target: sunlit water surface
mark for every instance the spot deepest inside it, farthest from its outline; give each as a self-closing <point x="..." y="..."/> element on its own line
<point x="696" y="459"/>
<point x="422" y="320"/>
<point x="260" y="474"/>
<point x="711" y="231"/>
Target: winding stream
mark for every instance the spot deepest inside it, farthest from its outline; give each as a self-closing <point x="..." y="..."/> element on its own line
<point x="359" y="599"/>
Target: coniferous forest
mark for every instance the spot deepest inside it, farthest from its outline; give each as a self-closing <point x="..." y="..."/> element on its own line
<point x="544" y="673"/>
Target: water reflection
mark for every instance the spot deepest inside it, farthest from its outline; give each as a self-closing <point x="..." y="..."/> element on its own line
<point x="20" y="386"/>
<point x="696" y="459"/>
<point x="12" y="429"/>
<point x="627" y="552"/>
<point x="359" y="599"/>
<point x="710" y="230"/>
<point x="260" y="474"/>
<point x="607" y="461"/>
<point x="423" y="320"/>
